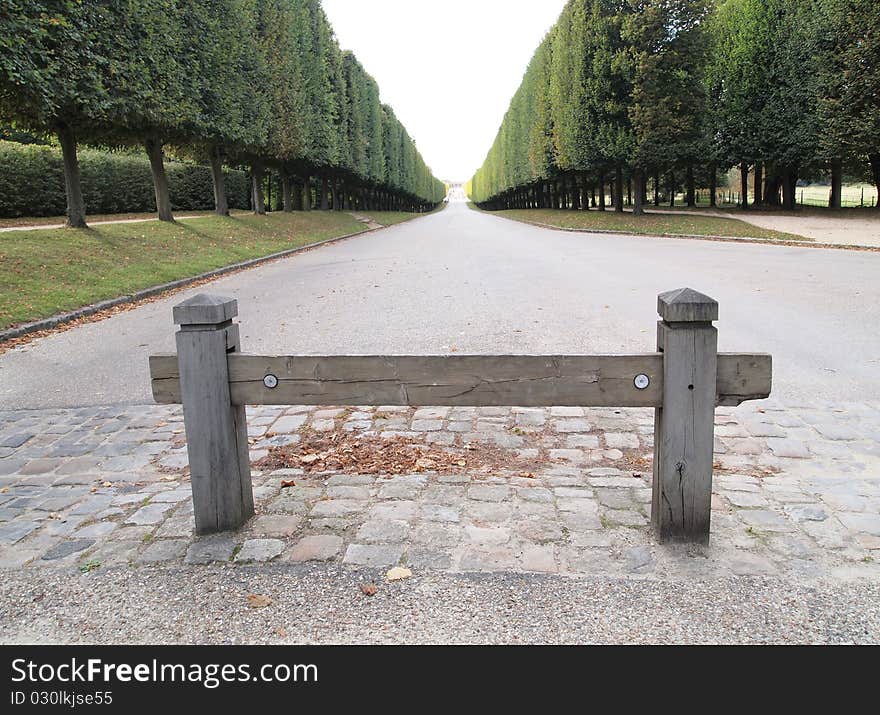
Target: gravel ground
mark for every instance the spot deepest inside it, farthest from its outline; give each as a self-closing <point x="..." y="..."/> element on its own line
<point x="320" y="604"/>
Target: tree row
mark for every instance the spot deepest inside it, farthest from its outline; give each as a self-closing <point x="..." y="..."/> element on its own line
<point x="257" y="84"/>
<point x="623" y="93"/>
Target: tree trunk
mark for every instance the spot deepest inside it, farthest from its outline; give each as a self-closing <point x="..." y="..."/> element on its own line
<point x="76" y="207"/>
<point x="656" y="188"/>
<point x="744" y="184"/>
<point x="259" y="200"/>
<point x="286" y="192"/>
<point x="771" y="190"/>
<point x="758" y="183"/>
<point x="618" y="188"/>
<point x="690" y="193"/>
<point x="874" y="160"/>
<point x="601" y="190"/>
<point x="221" y="204"/>
<point x="713" y="184"/>
<point x="671" y="190"/>
<point x="836" y="184"/>
<point x="629" y="191"/>
<point x="160" y="181"/>
<point x="324" y="194"/>
<point x="789" y="188"/>
<point x="639" y="178"/>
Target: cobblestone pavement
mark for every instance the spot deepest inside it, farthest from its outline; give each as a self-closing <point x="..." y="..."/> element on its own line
<point x="796" y="493"/>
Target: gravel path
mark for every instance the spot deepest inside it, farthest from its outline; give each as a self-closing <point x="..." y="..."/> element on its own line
<point x="326" y="605"/>
<point x="863" y="230"/>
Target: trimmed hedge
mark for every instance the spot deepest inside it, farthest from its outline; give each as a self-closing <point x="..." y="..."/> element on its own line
<point x="32" y="183"/>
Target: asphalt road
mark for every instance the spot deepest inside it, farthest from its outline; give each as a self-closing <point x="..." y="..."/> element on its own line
<point x="475" y="283"/>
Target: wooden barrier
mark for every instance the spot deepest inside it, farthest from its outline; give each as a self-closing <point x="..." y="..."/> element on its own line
<point x="683" y="381"/>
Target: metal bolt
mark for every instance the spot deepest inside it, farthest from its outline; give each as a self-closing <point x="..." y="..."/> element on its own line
<point x="270" y="381"/>
<point x="641" y="381"/>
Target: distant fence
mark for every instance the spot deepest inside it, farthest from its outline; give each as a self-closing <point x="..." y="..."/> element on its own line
<point x="683" y="381"/>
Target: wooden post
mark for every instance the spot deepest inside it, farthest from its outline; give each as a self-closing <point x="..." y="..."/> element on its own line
<point x="684" y="426"/>
<point x="216" y="430"/>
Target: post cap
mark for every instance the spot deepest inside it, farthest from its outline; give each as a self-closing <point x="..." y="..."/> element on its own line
<point x="204" y="309"/>
<point x="685" y="305"/>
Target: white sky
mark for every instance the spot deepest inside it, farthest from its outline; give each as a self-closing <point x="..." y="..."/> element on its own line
<point x="448" y="67"/>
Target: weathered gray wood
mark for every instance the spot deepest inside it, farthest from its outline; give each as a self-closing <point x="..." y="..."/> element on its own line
<point x="204" y="309"/>
<point x="743" y="377"/>
<point x="685" y="305"/>
<point x="478" y="380"/>
<point x="684" y="424"/>
<point x="446" y="380"/>
<point x="216" y="430"/>
<point x="467" y="380"/>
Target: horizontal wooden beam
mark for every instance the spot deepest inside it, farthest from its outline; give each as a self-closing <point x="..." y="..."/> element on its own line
<point x="462" y="380"/>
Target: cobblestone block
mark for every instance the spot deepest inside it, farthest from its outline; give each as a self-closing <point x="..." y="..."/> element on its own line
<point x="337" y="508"/>
<point x="277" y="524"/>
<point x="621" y="440"/>
<point x="488" y="492"/>
<point x="210" y="550"/>
<point x="389" y="532"/>
<point x="375" y="555"/>
<point x="316" y="548"/>
<point x="165" y="550"/>
<point x="571" y="425"/>
<point x="259" y="550"/>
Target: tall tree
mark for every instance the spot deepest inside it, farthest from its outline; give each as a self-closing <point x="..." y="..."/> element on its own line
<point x="849" y="83"/>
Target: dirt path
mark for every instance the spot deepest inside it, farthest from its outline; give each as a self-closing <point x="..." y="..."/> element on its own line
<point x="858" y="231"/>
<point x="41" y="227"/>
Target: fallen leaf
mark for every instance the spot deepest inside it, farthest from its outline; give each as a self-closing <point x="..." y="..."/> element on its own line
<point x="309" y="458"/>
<point x="398" y="573"/>
<point x="256" y="600"/>
<point x="527" y="475"/>
<point x="107" y="484"/>
<point x="424" y="463"/>
<point x="288" y="483"/>
<point x="281" y="632"/>
<point x="369" y="589"/>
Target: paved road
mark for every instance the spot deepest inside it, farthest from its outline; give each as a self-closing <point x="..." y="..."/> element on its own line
<point x="478" y="283"/>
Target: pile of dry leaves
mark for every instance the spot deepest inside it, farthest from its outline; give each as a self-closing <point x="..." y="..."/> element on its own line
<point x="354" y="453"/>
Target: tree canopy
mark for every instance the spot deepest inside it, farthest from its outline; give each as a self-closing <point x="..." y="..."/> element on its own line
<point x="261" y="82"/>
<point x="653" y="87"/>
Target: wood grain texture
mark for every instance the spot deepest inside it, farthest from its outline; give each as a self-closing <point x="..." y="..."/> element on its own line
<point x="462" y="380"/>
<point x="684" y="433"/>
<point x="216" y="431"/>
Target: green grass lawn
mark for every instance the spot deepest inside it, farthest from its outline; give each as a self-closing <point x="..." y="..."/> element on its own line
<point x="648" y="224"/>
<point x="47" y="271"/>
